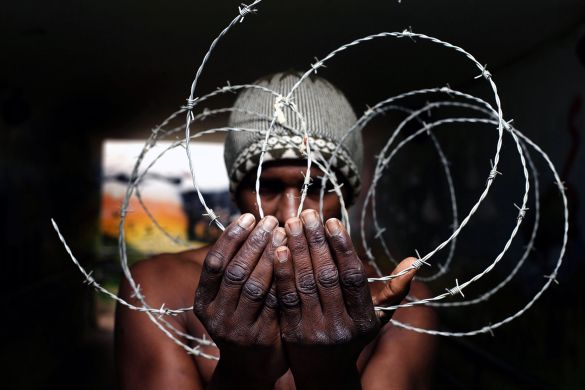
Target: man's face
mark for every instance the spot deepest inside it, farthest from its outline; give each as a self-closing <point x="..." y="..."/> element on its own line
<point x="280" y="191"/>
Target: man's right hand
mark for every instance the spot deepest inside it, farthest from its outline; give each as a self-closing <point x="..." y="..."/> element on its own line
<point x="236" y="303"/>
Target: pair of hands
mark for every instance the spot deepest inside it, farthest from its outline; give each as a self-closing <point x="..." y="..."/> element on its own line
<point x="298" y="298"/>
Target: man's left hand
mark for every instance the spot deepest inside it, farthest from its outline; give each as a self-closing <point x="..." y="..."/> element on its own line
<point x="327" y="315"/>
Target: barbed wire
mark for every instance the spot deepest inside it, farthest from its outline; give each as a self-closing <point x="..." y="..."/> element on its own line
<point x="492" y="116"/>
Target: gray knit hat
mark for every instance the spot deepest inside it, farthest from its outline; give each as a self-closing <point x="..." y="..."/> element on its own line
<point x="328" y="116"/>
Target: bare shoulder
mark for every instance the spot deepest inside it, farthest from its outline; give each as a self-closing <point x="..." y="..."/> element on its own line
<point x="145" y="356"/>
<point x="171" y="277"/>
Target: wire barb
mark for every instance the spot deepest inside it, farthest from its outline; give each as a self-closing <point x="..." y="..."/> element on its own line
<point x="279" y="104"/>
<point x="426" y="127"/>
<point x="419" y="261"/>
<point x="191" y="102"/>
<point x="379" y="233"/>
<point x="493" y="172"/>
<point x="245" y="9"/>
<point x="508" y="124"/>
<point x="89" y="280"/>
<point x="317" y="64"/>
<point x="227" y="88"/>
<point x="137" y="293"/>
<point x="552" y="277"/>
<point x="456" y="290"/>
<point x="489" y="329"/>
<point x="373" y="111"/>
<point x="521" y="212"/>
<point x="447" y="90"/>
<point x="212" y="216"/>
<point x="484" y="73"/>
<point x="407" y="32"/>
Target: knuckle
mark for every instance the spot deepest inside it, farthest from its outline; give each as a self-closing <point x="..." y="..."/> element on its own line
<point x="257" y="241"/>
<point x="263" y="339"/>
<point x="353" y="278"/>
<point x="341" y="335"/>
<point x="254" y="290"/>
<point x="328" y="276"/>
<point x="306" y="283"/>
<point x="214" y="261"/>
<point x="290" y="300"/>
<point x="316" y="238"/>
<point x="235" y="273"/>
<point x="219" y="316"/>
<point x="299" y="247"/>
<point x="291" y="333"/>
<point x="282" y="274"/>
<point x="367" y="327"/>
<point x="235" y="232"/>
<point x="338" y="242"/>
<point x="348" y="252"/>
<point x="343" y="246"/>
<point x="216" y="325"/>
<point x="321" y="338"/>
<point x="271" y="301"/>
<point x="289" y="337"/>
<point x="199" y="309"/>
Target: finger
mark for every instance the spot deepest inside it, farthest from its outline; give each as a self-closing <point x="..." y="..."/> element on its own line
<point x="286" y="290"/>
<point x="219" y="256"/>
<point x="353" y="280"/>
<point x="255" y="290"/>
<point x="239" y="269"/>
<point x="269" y="310"/>
<point x="303" y="267"/>
<point x="324" y="267"/>
<point x="395" y="290"/>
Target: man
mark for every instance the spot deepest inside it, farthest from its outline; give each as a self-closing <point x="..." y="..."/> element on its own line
<point x="285" y="299"/>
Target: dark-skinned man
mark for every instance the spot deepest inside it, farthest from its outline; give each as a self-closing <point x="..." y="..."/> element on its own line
<point x="285" y="299"/>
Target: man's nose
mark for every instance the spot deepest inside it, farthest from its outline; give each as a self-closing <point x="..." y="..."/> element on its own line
<point x="288" y="204"/>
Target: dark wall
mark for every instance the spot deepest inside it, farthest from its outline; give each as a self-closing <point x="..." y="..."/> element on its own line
<point x="73" y="74"/>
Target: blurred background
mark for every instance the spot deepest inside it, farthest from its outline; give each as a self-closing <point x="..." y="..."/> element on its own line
<point x="82" y="84"/>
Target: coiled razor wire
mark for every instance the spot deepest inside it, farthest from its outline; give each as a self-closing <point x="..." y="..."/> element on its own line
<point x="485" y="114"/>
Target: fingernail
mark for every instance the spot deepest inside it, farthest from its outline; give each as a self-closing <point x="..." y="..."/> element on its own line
<point x="278" y="236"/>
<point x="282" y="254"/>
<point x="294" y="225"/>
<point x="333" y="226"/>
<point x="268" y="223"/>
<point x="246" y="220"/>
<point x="310" y="218"/>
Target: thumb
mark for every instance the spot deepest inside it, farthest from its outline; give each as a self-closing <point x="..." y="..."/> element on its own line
<point x="396" y="290"/>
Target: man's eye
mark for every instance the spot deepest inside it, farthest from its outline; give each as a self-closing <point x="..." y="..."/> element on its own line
<point x="265" y="190"/>
<point x="268" y="187"/>
<point x="315" y="187"/>
<point x="315" y="190"/>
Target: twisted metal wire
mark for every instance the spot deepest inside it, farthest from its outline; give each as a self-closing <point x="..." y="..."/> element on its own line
<point x="493" y="116"/>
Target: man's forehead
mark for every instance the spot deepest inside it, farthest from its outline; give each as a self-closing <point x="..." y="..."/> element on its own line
<point x="275" y="169"/>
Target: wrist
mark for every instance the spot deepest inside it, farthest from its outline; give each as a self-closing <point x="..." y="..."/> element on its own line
<point x="232" y="374"/>
<point x="340" y="376"/>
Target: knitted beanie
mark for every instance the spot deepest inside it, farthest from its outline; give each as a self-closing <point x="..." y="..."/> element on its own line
<point x="328" y="116"/>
